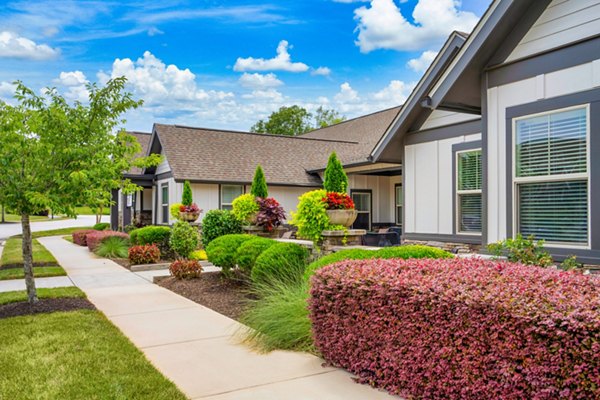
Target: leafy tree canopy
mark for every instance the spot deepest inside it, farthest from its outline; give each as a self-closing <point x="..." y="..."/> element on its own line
<point x="296" y="120"/>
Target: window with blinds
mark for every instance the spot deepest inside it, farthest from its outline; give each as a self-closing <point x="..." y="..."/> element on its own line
<point x="469" y="176"/>
<point x="228" y="194"/>
<point x="551" y="176"/>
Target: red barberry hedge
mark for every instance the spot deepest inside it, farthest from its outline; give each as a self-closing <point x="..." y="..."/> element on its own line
<point x="79" y="236"/>
<point x="460" y="328"/>
<point x="144" y="254"/>
<point x="94" y="238"/>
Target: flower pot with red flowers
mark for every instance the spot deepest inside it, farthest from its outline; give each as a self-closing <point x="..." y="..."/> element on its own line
<point x="340" y="209"/>
<point x="189" y="213"/>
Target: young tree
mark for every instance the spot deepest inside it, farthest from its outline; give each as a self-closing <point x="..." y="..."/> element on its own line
<point x="290" y="121"/>
<point x="334" y="178"/>
<point x="325" y="117"/>
<point x="186" y="197"/>
<point x="52" y="154"/>
<point x="259" y="184"/>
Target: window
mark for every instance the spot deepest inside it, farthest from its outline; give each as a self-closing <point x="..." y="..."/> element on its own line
<point x="362" y="205"/>
<point x="164" y="199"/>
<point x="468" y="191"/>
<point x="228" y="194"/>
<point x="551" y="176"/>
<point x="398" y="202"/>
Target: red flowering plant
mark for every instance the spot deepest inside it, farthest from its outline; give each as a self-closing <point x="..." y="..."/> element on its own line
<point x="192" y="208"/>
<point x="338" y="201"/>
<point x="270" y="214"/>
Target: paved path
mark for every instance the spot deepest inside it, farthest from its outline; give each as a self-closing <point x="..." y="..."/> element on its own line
<point x="196" y="347"/>
<point x="51" y="282"/>
<point x="7" y="230"/>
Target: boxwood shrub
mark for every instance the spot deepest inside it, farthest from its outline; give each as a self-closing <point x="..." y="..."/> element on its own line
<point x="249" y="251"/>
<point x="152" y="234"/>
<point x="101" y="226"/>
<point x="460" y="328"/>
<point x="404" y="252"/>
<point x="282" y="261"/>
<point x="219" y="223"/>
<point x="222" y="251"/>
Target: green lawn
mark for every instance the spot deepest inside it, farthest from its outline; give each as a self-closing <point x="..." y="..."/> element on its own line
<point x="32" y="218"/>
<point x="54" y="293"/>
<point x="12" y="254"/>
<point x="74" y="355"/>
<point x="88" y="211"/>
<point x="68" y="238"/>
<point x="55" y="232"/>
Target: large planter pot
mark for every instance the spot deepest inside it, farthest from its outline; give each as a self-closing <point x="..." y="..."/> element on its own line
<point x="342" y="217"/>
<point x="189" y="216"/>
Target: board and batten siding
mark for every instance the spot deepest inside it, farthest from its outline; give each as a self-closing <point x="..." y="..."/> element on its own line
<point x="563" y="22"/>
<point x="428" y="190"/>
<point x="440" y="118"/>
<point x="546" y="86"/>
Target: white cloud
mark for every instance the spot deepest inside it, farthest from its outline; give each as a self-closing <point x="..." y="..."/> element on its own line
<point x="15" y="46"/>
<point x="382" y="25"/>
<point x="281" y="62"/>
<point x="323" y="71"/>
<point x="153" y="31"/>
<point x="423" y="62"/>
<point x="7" y="91"/>
<point x="346" y="94"/>
<point x="75" y="82"/>
<point x="271" y="95"/>
<point x="73" y="78"/>
<point x="394" y="94"/>
<point x="157" y="83"/>
<point x="259" y="81"/>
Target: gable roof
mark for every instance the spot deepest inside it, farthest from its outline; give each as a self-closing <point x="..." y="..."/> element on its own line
<point x="413" y="114"/>
<point x="144" y="140"/>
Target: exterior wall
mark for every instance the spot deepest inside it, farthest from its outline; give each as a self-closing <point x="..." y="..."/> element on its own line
<point x="172" y="197"/>
<point x="428" y="186"/>
<point x="545" y="86"/>
<point x="163" y="166"/>
<point x="563" y="22"/>
<point x="287" y="196"/>
<point x="383" y="188"/>
<point x="442" y="118"/>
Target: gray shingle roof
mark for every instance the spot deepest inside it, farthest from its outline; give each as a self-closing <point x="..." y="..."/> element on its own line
<point x="211" y="155"/>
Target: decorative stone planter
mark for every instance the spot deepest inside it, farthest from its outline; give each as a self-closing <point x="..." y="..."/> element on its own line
<point x="260" y="231"/>
<point x="189" y="216"/>
<point x="342" y="217"/>
<point x="348" y="238"/>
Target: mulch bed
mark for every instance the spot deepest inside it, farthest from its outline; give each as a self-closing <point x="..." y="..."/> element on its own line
<point x="226" y="296"/>
<point x="44" y="306"/>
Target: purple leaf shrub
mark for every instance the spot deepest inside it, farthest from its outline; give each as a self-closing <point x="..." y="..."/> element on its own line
<point x="460" y="328"/>
<point x="270" y="214"/>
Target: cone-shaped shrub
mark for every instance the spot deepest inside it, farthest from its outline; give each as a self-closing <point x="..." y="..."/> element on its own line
<point x="259" y="184"/>
<point x="186" y="197"/>
<point x="335" y="179"/>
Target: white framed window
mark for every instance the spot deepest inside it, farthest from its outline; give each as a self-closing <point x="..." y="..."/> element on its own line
<point x="228" y="194"/>
<point x="399" y="196"/>
<point x="551" y="176"/>
<point x="468" y="191"/>
<point x="164" y="202"/>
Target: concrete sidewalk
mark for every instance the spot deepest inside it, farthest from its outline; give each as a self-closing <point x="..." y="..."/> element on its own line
<point x="194" y="346"/>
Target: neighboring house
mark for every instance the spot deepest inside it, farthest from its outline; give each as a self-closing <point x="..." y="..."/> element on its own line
<point x="220" y="166"/>
<point x="502" y="140"/>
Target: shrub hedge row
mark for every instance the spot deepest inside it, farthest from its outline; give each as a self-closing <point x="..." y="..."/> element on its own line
<point x="282" y="261"/>
<point x="222" y="250"/>
<point x="94" y="238"/>
<point x="158" y="235"/>
<point x="79" y="237"/>
<point x="460" y="328"/>
<point x="249" y="251"/>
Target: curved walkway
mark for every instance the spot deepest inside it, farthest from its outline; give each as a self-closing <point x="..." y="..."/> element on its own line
<point x="194" y="346"/>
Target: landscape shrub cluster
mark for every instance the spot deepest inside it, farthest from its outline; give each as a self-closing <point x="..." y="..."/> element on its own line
<point x="460" y="328"/>
<point x="282" y="261"/>
<point x="185" y="269"/>
<point x="249" y="251"/>
<point x="101" y="226"/>
<point x="113" y="247"/>
<point x="158" y="235"/>
<point x="79" y="237"/>
<point x="94" y="238"/>
<point x="219" y="223"/>
<point x="184" y="239"/>
<point x="222" y="251"/>
<point x="144" y="254"/>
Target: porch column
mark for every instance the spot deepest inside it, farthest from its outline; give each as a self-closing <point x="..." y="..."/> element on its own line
<point x="126" y="211"/>
<point x="114" y="210"/>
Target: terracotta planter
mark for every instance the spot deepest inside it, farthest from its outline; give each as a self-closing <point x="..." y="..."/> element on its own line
<point x="189" y="216"/>
<point x="342" y="217"/>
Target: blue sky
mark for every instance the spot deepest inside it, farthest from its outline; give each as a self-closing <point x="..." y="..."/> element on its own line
<point x="226" y="64"/>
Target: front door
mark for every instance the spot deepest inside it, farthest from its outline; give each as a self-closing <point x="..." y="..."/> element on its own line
<point x="362" y="203"/>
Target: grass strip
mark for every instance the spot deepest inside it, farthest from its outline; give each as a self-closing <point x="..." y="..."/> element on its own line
<point x="53" y="293"/>
<point x="38" y="272"/>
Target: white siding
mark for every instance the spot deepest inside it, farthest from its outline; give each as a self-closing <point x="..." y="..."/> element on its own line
<point x="428" y="190"/>
<point x="563" y="22"/>
<point x="163" y="166"/>
<point x="442" y="118"/>
<point x="559" y="83"/>
<point x="172" y="197"/>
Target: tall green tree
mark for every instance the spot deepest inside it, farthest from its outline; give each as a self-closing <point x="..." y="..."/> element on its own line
<point x="290" y="121"/>
<point x="53" y="154"/>
<point x="327" y="117"/>
<point x="335" y="178"/>
<point x="186" y="197"/>
<point x="259" y="184"/>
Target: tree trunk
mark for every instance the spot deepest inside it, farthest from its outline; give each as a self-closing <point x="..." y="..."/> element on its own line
<point x="99" y="215"/>
<point x="28" y="259"/>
